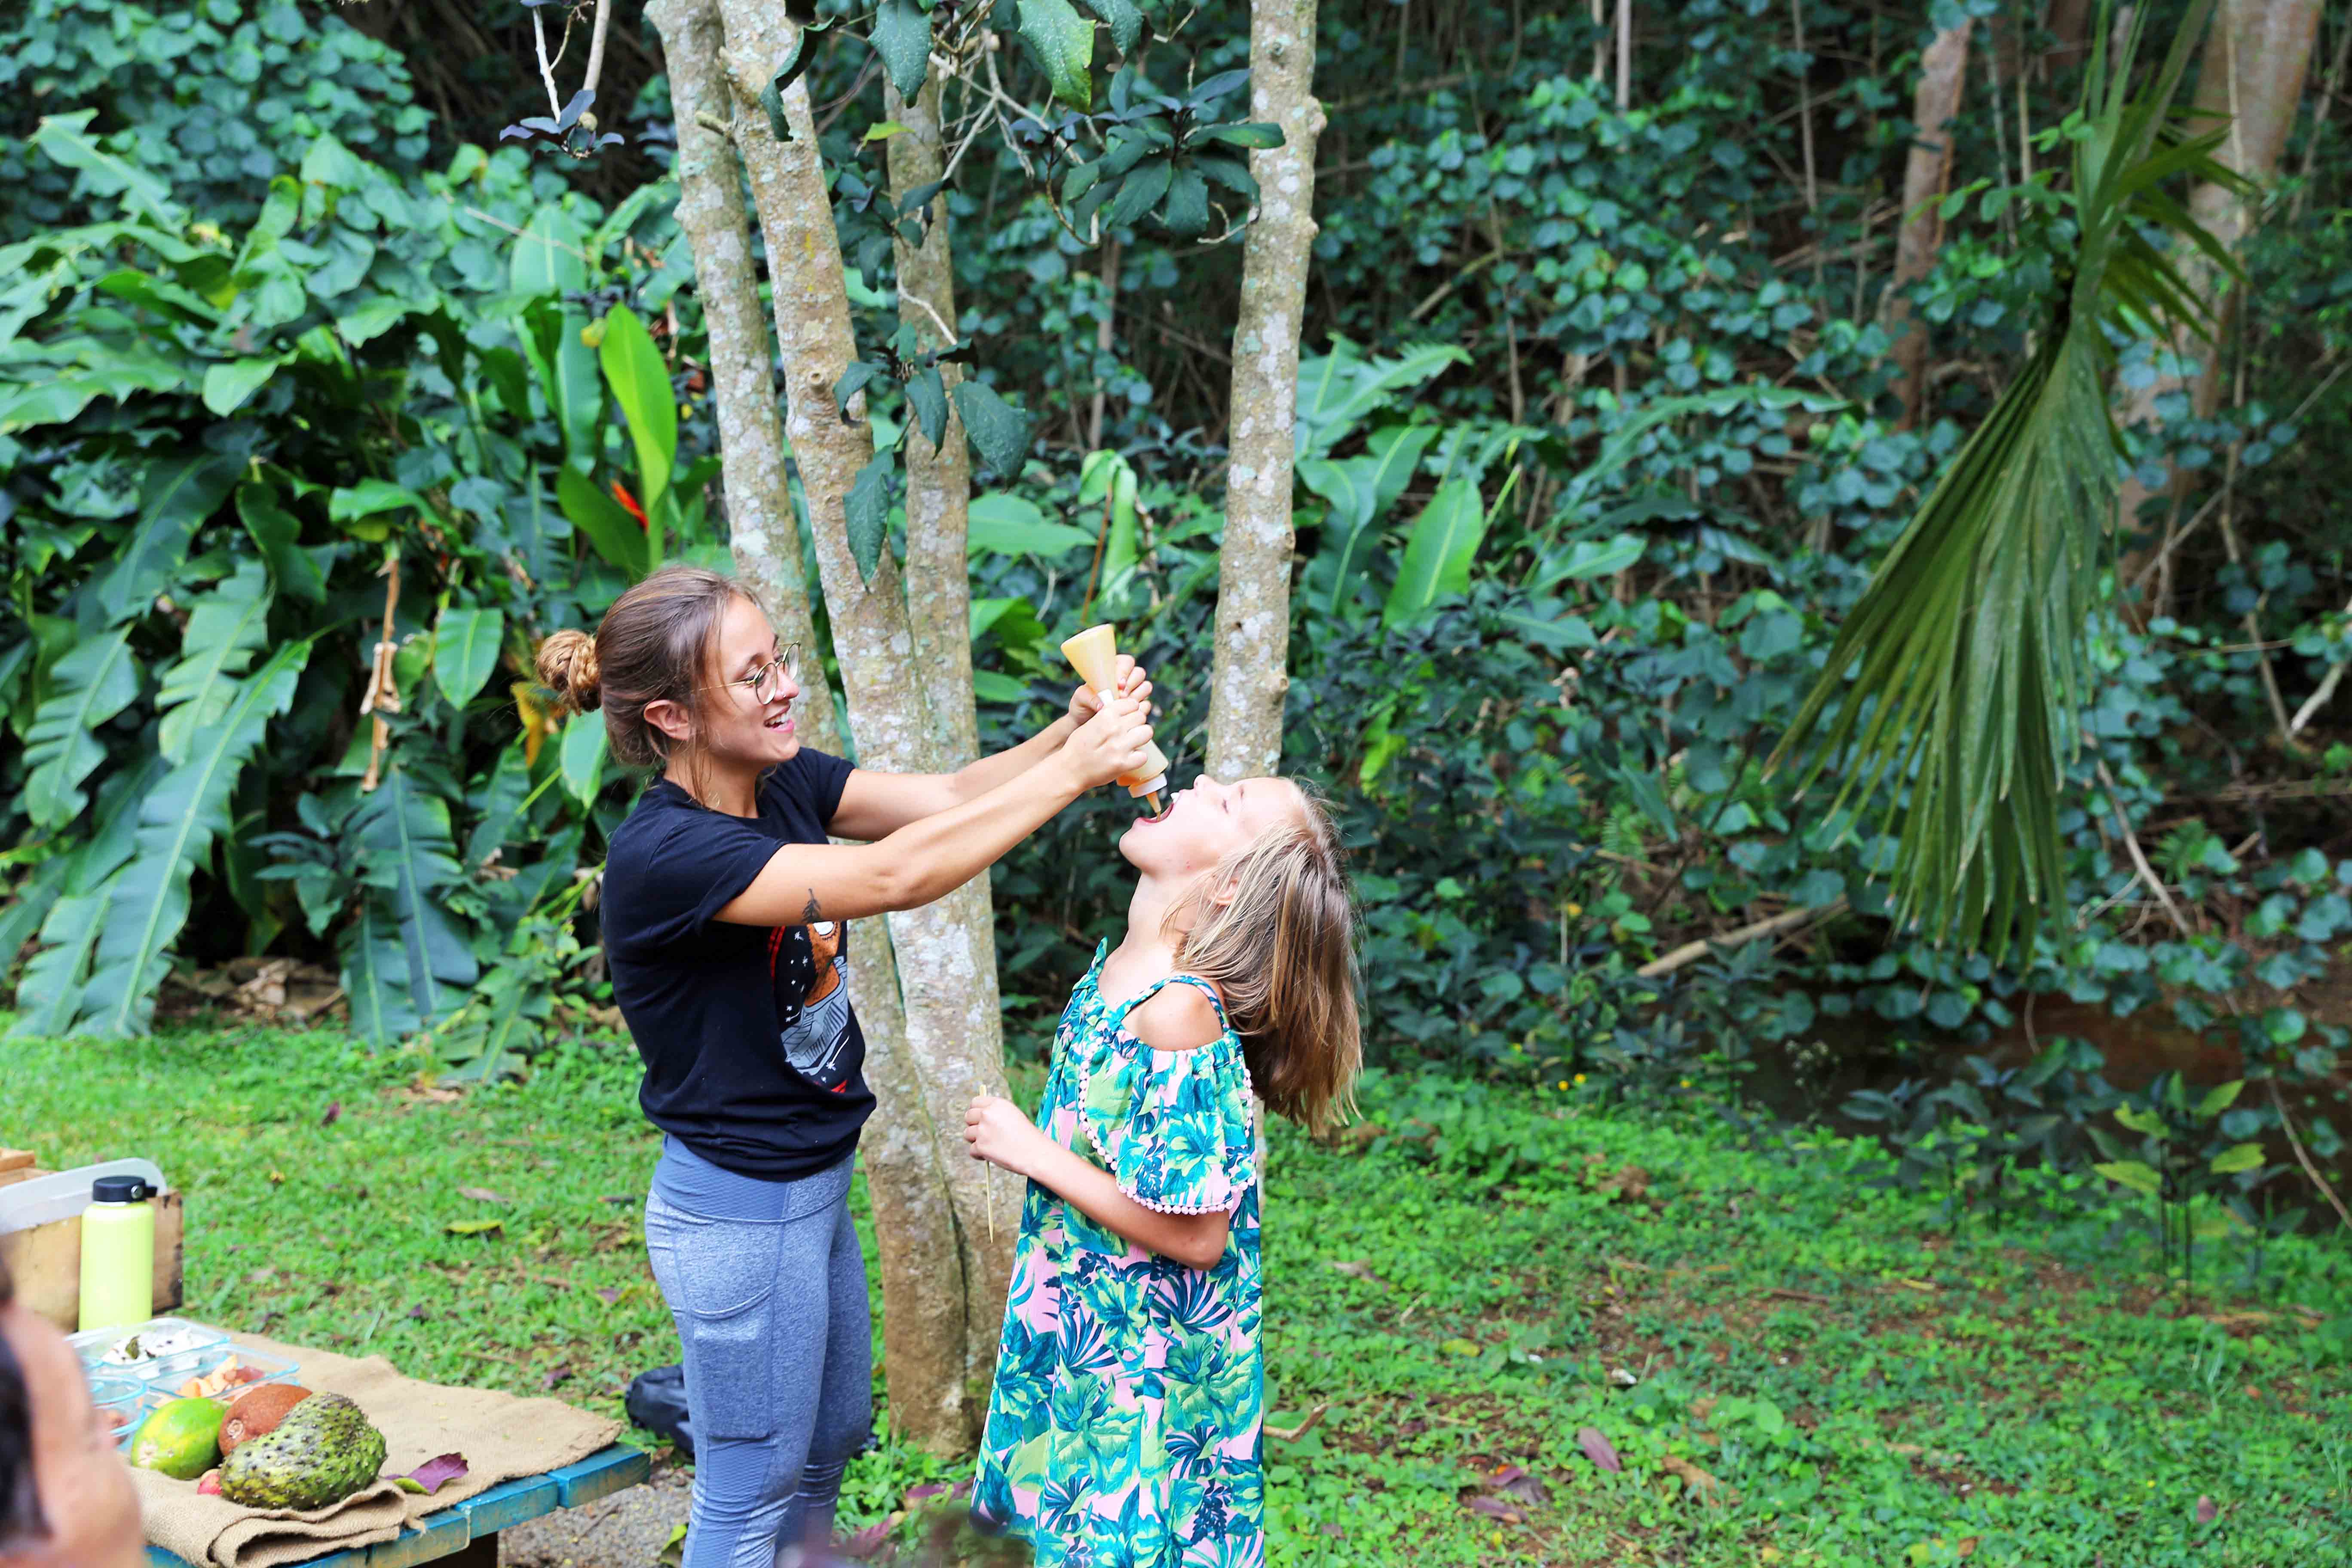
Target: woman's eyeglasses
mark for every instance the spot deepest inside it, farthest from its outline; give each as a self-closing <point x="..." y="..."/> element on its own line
<point x="767" y="682"/>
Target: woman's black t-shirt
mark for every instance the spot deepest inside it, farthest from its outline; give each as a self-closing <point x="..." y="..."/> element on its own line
<point x="753" y="1058"/>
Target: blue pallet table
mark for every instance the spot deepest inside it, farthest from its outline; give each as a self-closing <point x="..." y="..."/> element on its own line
<point x="470" y="1530"/>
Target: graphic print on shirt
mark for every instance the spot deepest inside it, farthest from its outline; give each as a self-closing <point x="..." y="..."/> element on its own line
<point x="812" y="974"/>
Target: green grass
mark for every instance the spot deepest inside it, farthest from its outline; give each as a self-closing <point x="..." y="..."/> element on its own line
<point x="1864" y="1389"/>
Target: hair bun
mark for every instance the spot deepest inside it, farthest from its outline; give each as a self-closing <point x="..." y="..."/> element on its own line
<point x="567" y="663"/>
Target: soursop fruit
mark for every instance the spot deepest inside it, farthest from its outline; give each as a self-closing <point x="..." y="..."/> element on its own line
<point x="320" y="1453"/>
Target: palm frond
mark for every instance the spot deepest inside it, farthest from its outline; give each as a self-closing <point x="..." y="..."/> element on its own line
<point x="1954" y="683"/>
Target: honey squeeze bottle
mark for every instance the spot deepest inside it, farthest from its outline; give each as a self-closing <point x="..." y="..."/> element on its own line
<point x="1094" y="654"/>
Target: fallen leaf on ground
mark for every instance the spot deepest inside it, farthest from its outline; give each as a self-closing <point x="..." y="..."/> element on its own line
<point x="2206" y="1511"/>
<point x="1968" y="1545"/>
<point x="334" y="1113"/>
<point x="1706" y="1486"/>
<point x="1357" y="1270"/>
<point x="1495" y="1509"/>
<point x="1458" y="1347"/>
<point x="1512" y="1480"/>
<point x="1597" y="1448"/>
<point x="1630" y="1181"/>
<point x="475" y="1226"/>
<point x="480" y="1195"/>
<point x="925" y="1493"/>
<point x="609" y="1295"/>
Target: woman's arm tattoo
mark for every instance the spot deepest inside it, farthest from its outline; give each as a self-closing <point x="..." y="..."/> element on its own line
<point x="810" y="913"/>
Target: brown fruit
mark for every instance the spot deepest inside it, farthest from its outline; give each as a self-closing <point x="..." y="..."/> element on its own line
<point x="258" y="1413"/>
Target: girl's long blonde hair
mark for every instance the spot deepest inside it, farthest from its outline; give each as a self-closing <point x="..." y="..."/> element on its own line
<point x="1281" y="952"/>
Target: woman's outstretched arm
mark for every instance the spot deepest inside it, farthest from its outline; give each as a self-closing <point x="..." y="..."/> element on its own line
<point x="936" y="854"/>
<point x="876" y="804"/>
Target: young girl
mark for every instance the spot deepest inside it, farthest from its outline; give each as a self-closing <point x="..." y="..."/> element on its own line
<point x="1124" y="1426"/>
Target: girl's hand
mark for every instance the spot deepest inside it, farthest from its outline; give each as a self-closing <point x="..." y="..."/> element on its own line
<point x="1085" y="704"/>
<point x="998" y="1133"/>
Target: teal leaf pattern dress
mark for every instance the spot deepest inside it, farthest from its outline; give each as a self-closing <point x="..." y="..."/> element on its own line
<point x="1124" y="1428"/>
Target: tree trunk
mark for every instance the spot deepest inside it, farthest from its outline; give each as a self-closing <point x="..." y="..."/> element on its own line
<point x="959" y="994"/>
<point x="2069" y="22"/>
<point x="1251" y="674"/>
<point x="2252" y="75"/>
<point x="923" y="1299"/>
<point x="939" y="482"/>
<point x="1943" y="73"/>
<point x="945" y="961"/>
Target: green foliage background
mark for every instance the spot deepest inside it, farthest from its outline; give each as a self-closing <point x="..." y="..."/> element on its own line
<point x="1596" y="445"/>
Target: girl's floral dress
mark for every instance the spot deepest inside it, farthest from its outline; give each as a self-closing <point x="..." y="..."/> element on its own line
<point x="1123" y="1432"/>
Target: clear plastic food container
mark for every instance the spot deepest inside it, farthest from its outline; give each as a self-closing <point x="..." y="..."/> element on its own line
<point x="176" y="1336"/>
<point x="121" y="1401"/>
<point x="198" y="1373"/>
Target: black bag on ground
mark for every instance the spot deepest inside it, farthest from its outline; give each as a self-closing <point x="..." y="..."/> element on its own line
<point x="656" y="1402"/>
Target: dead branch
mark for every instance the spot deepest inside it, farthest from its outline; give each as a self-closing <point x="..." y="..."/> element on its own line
<point x="1691" y="951"/>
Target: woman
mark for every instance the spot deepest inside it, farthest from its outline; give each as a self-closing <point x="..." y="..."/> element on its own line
<point x="725" y="912"/>
<point x="66" y="1499"/>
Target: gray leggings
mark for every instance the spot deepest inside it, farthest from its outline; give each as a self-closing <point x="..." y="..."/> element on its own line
<point x="768" y="1288"/>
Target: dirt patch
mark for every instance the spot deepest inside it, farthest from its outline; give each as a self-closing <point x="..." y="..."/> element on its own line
<point x="627" y="1530"/>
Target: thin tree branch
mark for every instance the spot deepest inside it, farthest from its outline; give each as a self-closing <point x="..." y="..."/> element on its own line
<point x="2138" y="859"/>
<point x="596" y="46"/>
<point x="546" y="66"/>
<point x="1691" y="951"/>
<point x="2318" y="699"/>
<point x="2287" y="1124"/>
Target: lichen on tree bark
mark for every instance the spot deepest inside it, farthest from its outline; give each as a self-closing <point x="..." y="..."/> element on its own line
<point x="1943" y="74"/>
<point x="945" y="949"/>
<point x="1250" y="677"/>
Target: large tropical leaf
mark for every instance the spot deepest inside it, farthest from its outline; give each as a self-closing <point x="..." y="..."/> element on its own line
<point x="225" y="630"/>
<point x="1360" y="489"/>
<point x="178" y="820"/>
<point x="93" y="682"/>
<point x="29" y="905"/>
<point x="50" y="993"/>
<point x="639" y="378"/>
<point x="412" y="951"/>
<point x="465" y="651"/>
<point x="178" y="495"/>
<point x="1438" y="553"/>
<point x="1339" y="390"/>
<point x="1964" y="652"/>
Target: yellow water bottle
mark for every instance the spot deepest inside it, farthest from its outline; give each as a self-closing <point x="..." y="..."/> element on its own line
<point x="118" y="1254"/>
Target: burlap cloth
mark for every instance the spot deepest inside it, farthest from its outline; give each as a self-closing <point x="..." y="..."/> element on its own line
<point x="501" y="1436"/>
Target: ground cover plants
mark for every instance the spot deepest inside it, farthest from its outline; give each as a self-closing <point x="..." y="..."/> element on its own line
<point x="1483" y="1292"/>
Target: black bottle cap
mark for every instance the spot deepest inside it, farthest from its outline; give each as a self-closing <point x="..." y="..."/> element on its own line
<point x="120" y="1190"/>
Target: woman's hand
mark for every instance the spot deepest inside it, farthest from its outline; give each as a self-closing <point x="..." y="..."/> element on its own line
<point x="1085" y="704"/>
<point x="1000" y="1135"/>
<point x="1109" y="745"/>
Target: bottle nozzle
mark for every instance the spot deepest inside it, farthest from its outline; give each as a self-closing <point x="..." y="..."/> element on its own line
<point x="1153" y="797"/>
